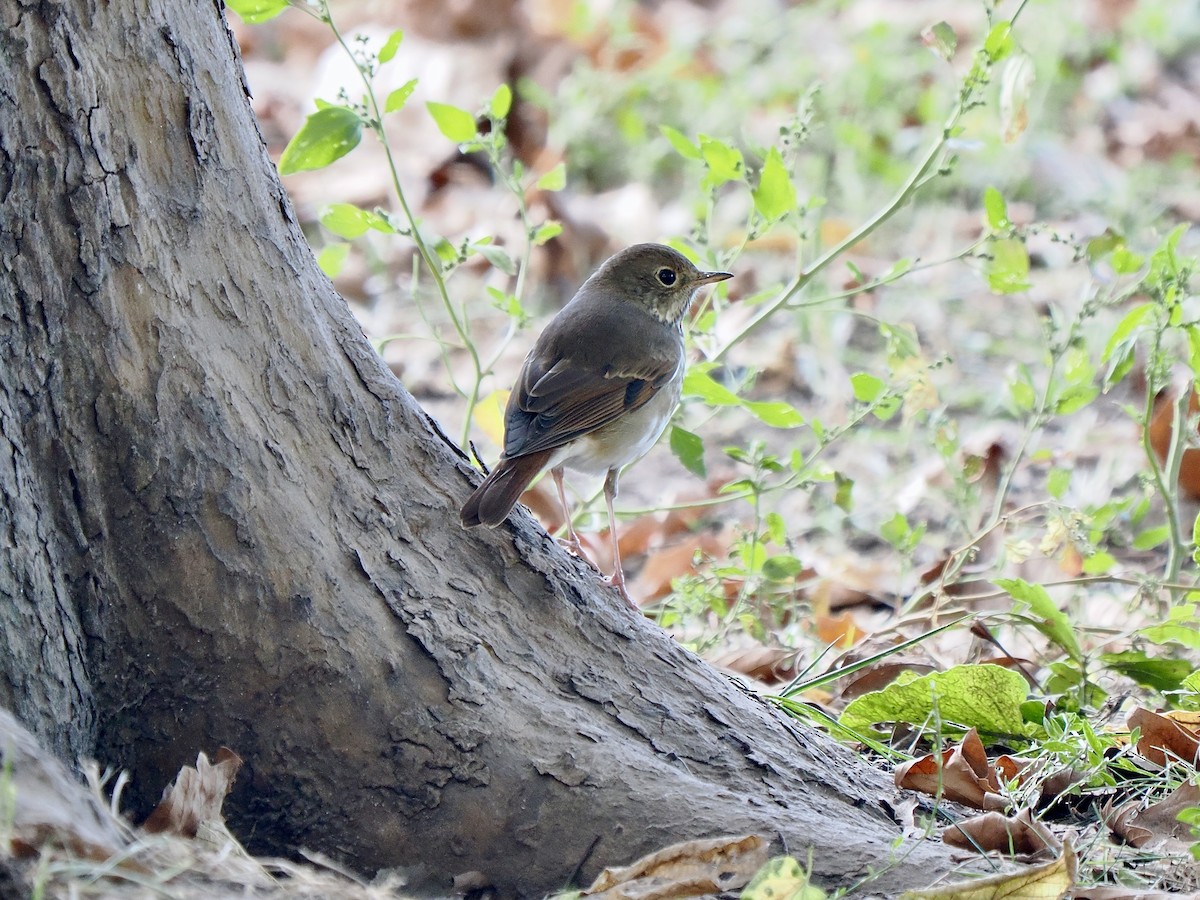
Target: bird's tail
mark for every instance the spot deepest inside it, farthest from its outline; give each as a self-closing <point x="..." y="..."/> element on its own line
<point x="495" y="498"/>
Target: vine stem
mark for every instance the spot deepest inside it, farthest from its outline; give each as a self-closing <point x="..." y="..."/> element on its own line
<point x="913" y="183"/>
<point x="427" y="256"/>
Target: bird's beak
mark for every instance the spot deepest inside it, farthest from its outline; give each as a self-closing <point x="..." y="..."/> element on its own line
<point x="711" y="277"/>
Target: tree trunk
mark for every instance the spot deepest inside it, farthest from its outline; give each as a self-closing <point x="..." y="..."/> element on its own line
<point x="225" y="522"/>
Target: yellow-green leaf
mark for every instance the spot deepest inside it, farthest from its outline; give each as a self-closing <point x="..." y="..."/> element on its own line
<point x="326" y="135"/>
<point x="775" y="195"/>
<point x="555" y="179"/>
<point x="254" y="11"/>
<point x="388" y="51"/>
<point x="456" y="124"/>
<point x="682" y="145"/>
<point x="397" y="98"/>
<point x="501" y="102"/>
<point x="1008" y="269"/>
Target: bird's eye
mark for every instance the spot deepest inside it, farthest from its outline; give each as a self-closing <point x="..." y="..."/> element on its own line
<point x="666" y="276"/>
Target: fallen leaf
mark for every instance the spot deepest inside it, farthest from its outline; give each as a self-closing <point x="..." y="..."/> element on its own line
<point x="1019" y="835"/>
<point x="769" y="665"/>
<point x="1161" y="436"/>
<point x="1164" y="738"/>
<point x="688" y="869"/>
<point x="1157" y="824"/>
<point x="781" y="878"/>
<point x="196" y="796"/>
<point x="962" y="774"/>
<point x="1050" y="881"/>
<point x="840" y="630"/>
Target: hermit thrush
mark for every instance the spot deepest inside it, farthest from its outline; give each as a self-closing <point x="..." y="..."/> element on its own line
<point x="599" y="386"/>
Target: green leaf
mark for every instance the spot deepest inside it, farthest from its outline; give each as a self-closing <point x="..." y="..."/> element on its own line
<point x="501" y="102"/>
<point x="999" y="42"/>
<point x="545" y="232"/>
<point x="388" y="51"/>
<point x="1049" y="619"/>
<point x="776" y="413"/>
<point x="776" y="527"/>
<point x="782" y="567"/>
<point x="1158" y="674"/>
<point x="1075" y="398"/>
<point x="781" y="878"/>
<point x="397" y="98"/>
<point x="332" y="258"/>
<point x="1193" y="338"/>
<point x="1103" y="244"/>
<point x="497" y="257"/>
<point x="689" y="450"/>
<point x="254" y="11"/>
<point x="986" y="697"/>
<point x="555" y="179"/>
<point x="326" y="136"/>
<point x="996" y="210"/>
<point x="867" y="387"/>
<point x="508" y="304"/>
<point x="1181" y="627"/>
<point x="895" y="530"/>
<point x="698" y="383"/>
<point x="1021" y="391"/>
<point x="1125" y="328"/>
<point x="843" y="494"/>
<point x="1125" y="261"/>
<point x="1151" y="538"/>
<point x="345" y="220"/>
<point x="1057" y="482"/>
<point x="682" y="145"/>
<point x="1098" y="563"/>
<point x="775" y="195"/>
<point x="724" y="162"/>
<point x="456" y="124"/>
<point x="1008" y="269"/>
<point x="941" y="39"/>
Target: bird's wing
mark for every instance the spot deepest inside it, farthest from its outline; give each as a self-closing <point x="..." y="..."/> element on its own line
<point x="557" y="400"/>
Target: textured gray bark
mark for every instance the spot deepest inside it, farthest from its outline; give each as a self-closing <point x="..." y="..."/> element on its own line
<point x="225" y="522"/>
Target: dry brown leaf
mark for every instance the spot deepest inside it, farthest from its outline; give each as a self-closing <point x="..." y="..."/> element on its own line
<point x="963" y="775"/>
<point x="839" y="631"/>
<point x="1050" y="881"/>
<point x="689" y="869"/>
<point x="769" y="665"/>
<point x="1165" y="737"/>
<point x="853" y="580"/>
<point x="1019" y="835"/>
<point x="195" y="797"/>
<point x="661" y="566"/>
<point x="1157" y="824"/>
<point x="1161" y="434"/>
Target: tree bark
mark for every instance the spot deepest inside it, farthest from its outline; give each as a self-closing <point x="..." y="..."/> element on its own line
<point x="225" y="522"/>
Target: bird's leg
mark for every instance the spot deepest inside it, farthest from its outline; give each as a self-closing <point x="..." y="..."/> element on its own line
<point x="571" y="542"/>
<point x="617" y="579"/>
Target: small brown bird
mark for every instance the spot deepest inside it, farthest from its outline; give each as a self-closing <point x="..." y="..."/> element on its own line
<point x="599" y="386"/>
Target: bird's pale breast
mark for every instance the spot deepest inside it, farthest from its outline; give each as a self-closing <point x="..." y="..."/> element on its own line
<point x="627" y="438"/>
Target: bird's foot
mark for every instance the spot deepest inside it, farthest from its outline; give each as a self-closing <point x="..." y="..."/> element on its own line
<point x="572" y="546"/>
<point x="617" y="580"/>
